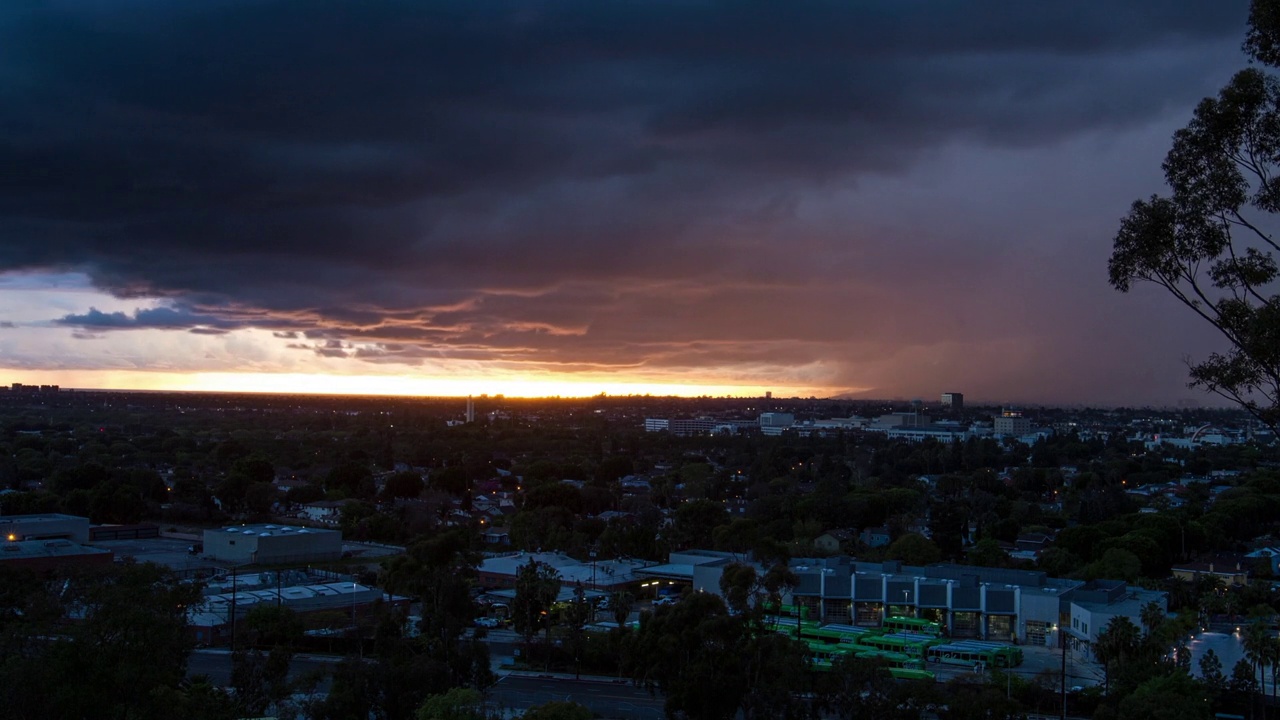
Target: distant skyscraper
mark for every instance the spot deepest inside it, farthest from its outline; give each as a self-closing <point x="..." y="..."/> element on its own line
<point x="768" y="394"/>
<point x="471" y="410"/>
<point x="953" y="400"/>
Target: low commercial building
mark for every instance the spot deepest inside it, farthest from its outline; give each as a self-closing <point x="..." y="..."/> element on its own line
<point x="944" y="434"/>
<point x="325" y="511"/>
<point x="688" y="427"/>
<point x="272" y="544"/>
<point x="45" y="526"/>
<point x="211" y="621"/>
<point x="1230" y="572"/>
<point x="605" y="575"/>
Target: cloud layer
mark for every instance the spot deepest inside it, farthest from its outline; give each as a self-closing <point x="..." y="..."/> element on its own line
<point x="889" y="194"/>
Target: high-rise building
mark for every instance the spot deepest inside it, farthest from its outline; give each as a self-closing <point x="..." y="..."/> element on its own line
<point x="954" y="401"/>
<point x="471" y="410"/>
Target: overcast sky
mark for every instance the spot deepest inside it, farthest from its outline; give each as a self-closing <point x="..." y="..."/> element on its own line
<point x="894" y="198"/>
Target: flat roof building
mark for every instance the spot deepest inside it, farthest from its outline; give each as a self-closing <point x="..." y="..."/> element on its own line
<point x="45" y="526"/>
<point x="210" y="621"/>
<point x="1012" y="422"/>
<point x="49" y="554"/>
<point x="271" y="544"/>
<point x="501" y="571"/>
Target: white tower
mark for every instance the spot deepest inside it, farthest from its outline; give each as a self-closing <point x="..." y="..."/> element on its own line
<point x="471" y="410"/>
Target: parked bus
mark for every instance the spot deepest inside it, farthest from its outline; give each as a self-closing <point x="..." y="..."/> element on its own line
<point x="908" y="643"/>
<point x="898" y="623"/>
<point x="975" y="653"/>
<point x="835" y="633"/>
<point x="787" y="626"/>
<point x="892" y="659"/>
<point x="910" y="674"/>
<point x="1011" y="652"/>
<point x="824" y="656"/>
<point x="787" y="610"/>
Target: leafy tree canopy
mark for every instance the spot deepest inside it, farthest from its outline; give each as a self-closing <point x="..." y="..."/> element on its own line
<point x="1206" y="242"/>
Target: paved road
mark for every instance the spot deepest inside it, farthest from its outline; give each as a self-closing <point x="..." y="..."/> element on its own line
<point x="216" y="664"/>
<point x="618" y="700"/>
<point x="607" y="698"/>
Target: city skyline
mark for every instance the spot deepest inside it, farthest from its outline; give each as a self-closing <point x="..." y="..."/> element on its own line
<point x="893" y="200"/>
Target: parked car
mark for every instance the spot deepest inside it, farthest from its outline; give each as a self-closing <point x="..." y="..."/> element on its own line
<point x="488" y="622"/>
<point x="664" y="600"/>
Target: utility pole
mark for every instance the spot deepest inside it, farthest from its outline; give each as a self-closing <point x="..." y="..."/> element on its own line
<point x="1062" y="638"/>
<point x="233" y="608"/>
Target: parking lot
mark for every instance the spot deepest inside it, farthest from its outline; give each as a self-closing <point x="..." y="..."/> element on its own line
<point x="173" y="553"/>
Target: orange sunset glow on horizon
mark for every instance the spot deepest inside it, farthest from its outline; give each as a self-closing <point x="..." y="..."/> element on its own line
<point x="395" y="385"/>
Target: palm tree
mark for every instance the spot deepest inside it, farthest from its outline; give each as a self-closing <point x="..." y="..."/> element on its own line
<point x="1271" y="653"/>
<point x="1152" y="617"/>
<point x="1118" y="641"/>
<point x="1256" y="641"/>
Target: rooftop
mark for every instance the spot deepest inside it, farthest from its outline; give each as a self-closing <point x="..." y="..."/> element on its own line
<point x="28" y="549"/>
<point x="274" y="530"/>
<point x="40" y="517"/>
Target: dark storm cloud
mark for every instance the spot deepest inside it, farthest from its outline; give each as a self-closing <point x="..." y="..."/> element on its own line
<point x="610" y="184"/>
<point x="162" y="317"/>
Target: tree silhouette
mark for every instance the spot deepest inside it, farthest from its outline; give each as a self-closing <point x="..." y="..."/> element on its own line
<point x="537" y="585"/>
<point x="1206" y="243"/>
<point x="1118" y="642"/>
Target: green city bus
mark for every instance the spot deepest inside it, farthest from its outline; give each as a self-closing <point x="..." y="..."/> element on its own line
<point x="899" y="623"/>
<point x="909" y="643"/>
<point x="910" y="674"/>
<point x="975" y="653"/>
<point x="835" y="633"/>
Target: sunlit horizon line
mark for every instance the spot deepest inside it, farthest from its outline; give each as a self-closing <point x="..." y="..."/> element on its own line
<point x="390" y="386"/>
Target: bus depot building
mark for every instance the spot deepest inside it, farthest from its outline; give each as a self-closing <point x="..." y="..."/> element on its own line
<point x="998" y="604"/>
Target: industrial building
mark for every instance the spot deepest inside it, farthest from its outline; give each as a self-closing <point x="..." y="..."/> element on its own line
<point x="46" y="526"/>
<point x="42" y="555"/>
<point x="272" y="544"/>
